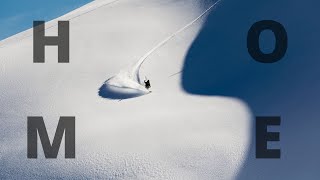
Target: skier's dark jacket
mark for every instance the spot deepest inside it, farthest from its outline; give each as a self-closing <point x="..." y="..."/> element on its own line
<point x="147" y="84"/>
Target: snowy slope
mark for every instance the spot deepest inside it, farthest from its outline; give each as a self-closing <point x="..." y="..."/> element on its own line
<point x="168" y="134"/>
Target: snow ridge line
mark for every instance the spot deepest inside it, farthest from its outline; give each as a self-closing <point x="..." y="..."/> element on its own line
<point x="137" y="66"/>
<point x="49" y="27"/>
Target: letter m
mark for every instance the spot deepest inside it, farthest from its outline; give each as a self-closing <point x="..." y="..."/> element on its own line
<point x="66" y="124"/>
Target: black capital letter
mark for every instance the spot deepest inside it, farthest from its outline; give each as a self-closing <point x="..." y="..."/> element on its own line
<point x="253" y="41"/>
<point x="66" y="124"/>
<point x="263" y="136"/>
<point x="40" y="41"/>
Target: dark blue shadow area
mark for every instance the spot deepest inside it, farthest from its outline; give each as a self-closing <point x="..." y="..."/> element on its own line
<point x="17" y="15"/>
<point x="218" y="63"/>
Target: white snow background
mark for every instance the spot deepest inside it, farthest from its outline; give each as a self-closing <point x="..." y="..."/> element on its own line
<point x="167" y="134"/>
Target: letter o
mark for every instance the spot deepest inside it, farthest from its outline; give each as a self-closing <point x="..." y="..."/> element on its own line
<point x="253" y="41"/>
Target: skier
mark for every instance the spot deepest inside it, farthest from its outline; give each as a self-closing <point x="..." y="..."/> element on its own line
<point x="147" y="83"/>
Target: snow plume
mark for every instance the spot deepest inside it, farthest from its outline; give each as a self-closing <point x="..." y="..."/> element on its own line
<point x="127" y="83"/>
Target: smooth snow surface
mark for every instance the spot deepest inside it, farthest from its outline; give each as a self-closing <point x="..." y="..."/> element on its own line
<point x="168" y="134"/>
<point x="127" y="84"/>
